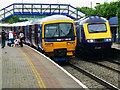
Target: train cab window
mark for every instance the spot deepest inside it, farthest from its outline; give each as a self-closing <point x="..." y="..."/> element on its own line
<point x="96" y="28"/>
<point x="51" y="31"/>
<point x="66" y="29"/>
<point x="59" y="30"/>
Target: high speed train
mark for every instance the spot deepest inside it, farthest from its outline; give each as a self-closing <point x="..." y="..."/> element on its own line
<point x="93" y="34"/>
<point x="55" y="35"/>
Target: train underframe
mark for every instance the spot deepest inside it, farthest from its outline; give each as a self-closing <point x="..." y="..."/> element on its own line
<point x="93" y="49"/>
<point x="60" y="54"/>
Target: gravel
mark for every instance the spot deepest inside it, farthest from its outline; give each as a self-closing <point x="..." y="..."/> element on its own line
<point x="109" y="64"/>
<point x="90" y="83"/>
<point x="103" y="73"/>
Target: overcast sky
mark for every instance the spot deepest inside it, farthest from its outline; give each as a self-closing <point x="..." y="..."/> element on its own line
<point x="75" y="3"/>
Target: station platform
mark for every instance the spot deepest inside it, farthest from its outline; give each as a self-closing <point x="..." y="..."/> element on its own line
<point x="116" y="46"/>
<point x="23" y="67"/>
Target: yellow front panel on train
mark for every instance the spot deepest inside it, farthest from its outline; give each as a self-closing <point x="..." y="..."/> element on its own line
<point x="99" y="35"/>
<point x="69" y="45"/>
<point x="50" y="46"/>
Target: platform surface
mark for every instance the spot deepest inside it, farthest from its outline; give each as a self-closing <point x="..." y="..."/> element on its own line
<point x="22" y="67"/>
<point x="116" y="46"/>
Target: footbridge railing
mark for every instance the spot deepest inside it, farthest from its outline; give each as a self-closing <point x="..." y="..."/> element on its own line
<point x="40" y="9"/>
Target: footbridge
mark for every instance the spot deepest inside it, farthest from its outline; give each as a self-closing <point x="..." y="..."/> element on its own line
<point x="40" y="9"/>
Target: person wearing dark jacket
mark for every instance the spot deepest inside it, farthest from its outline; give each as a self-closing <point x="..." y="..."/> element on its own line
<point x="21" y="36"/>
<point x="3" y="38"/>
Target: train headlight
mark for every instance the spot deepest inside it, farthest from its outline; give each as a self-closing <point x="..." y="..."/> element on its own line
<point x="108" y="39"/>
<point x="91" y="41"/>
<point x="70" y="43"/>
<point x="49" y="44"/>
<point x="88" y="41"/>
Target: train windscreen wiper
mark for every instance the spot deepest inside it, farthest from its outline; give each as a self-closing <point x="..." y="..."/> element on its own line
<point x="62" y="32"/>
<point x="93" y="31"/>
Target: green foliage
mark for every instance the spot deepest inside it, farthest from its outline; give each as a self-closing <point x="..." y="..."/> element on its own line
<point x="87" y="10"/>
<point x="118" y="15"/>
<point x="12" y="19"/>
<point x="105" y="10"/>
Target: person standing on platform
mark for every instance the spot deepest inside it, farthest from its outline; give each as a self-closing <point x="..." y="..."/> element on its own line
<point x="3" y="38"/>
<point x="14" y="34"/>
<point x="11" y="38"/>
<point x="8" y="38"/>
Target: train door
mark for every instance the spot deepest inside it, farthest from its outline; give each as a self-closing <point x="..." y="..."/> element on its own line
<point x="23" y="28"/>
<point x="26" y="34"/>
<point x="39" y="36"/>
<point x="29" y="34"/>
<point x="35" y="35"/>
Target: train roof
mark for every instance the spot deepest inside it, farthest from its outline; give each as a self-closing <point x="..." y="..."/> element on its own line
<point x="92" y="19"/>
<point x="38" y="21"/>
<point x="51" y="18"/>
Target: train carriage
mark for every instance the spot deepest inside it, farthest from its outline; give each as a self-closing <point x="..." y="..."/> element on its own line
<point x="55" y="35"/>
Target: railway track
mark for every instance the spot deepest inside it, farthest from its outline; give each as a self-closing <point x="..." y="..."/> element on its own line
<point x="110" y="68"/>
<point x="92" y="76"/>
<point x="114" y="61"/>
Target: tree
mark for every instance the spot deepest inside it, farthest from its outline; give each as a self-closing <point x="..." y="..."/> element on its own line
<point x="87" y="10"/>
<point x="107" y="10"/>
<point x="12" y="19"/>
<point x="118" y="15"/>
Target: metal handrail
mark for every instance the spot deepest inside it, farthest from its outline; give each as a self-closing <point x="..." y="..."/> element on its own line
<point x="20" y="9"/>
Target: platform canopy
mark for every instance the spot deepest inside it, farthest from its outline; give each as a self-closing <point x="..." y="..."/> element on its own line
<point x="113" y="21"/>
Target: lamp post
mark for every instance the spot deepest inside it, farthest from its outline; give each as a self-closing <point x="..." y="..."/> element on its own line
<point x="97" y="3"/>
<point x="91" y="4"/>
<point x="99" y="7"/>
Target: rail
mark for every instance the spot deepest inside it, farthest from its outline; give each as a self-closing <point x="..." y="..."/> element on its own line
<point x="102" y="82"/>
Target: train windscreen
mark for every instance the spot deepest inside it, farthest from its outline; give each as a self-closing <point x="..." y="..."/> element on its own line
<point x="56" y="30"/>
<point x="96" y="28"/>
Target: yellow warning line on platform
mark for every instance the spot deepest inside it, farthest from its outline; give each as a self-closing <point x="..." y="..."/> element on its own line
<point x="37" y="75"/>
